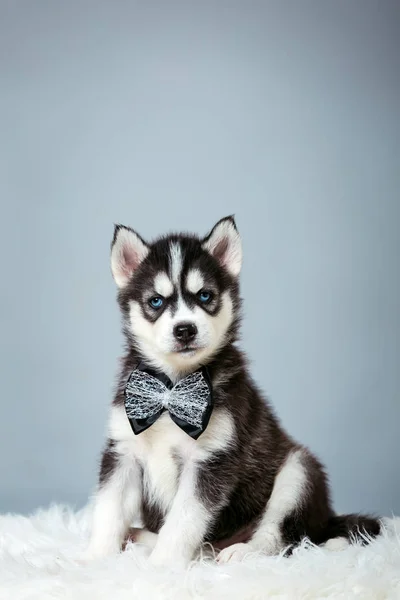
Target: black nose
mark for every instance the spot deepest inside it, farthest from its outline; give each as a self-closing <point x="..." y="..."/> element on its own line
<point x="185" y="332"/>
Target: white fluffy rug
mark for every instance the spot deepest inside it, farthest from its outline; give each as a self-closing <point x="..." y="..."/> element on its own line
<point x="38" y="562"/>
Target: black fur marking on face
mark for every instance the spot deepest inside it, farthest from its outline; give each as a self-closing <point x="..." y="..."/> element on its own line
<point x="174" y="302"/>
<point x="150" y="313"/>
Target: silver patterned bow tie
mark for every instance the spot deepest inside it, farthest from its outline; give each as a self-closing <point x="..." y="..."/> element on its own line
<point x="189" y="402"/>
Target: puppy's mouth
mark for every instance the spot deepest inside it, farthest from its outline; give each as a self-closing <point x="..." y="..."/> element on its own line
<point x="188" y="349"/>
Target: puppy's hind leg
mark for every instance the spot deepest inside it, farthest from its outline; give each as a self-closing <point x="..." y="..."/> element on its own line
<point x="288" y="494"/>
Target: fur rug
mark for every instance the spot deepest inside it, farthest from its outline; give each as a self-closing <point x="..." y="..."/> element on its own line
<point x="39" y="561"/>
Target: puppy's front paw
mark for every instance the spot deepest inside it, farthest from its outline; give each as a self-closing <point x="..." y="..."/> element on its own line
<point x="234" y="553"/>
<point x="167" y="558"/>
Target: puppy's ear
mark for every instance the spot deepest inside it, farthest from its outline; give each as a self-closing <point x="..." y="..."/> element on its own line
<point x="127" y="252"/>
<point x="224" y="244"/>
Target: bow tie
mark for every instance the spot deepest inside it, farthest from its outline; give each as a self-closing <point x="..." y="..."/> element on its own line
<point x="189" y="402"/>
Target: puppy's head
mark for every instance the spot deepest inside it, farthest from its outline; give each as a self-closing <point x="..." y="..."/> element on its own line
<point x="179" y="294"/>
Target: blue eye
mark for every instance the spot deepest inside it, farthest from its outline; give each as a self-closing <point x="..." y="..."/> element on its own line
<point x="156" y="302"/>
<point x="205" y="297"/>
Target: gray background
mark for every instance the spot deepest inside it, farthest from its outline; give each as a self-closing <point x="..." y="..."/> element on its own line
<point x="170" y="115"/>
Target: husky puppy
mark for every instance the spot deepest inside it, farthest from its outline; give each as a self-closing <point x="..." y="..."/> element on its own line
<point x="243" y="478"/>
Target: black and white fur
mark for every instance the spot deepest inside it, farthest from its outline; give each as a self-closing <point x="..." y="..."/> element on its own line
<point x="245" y="479"/>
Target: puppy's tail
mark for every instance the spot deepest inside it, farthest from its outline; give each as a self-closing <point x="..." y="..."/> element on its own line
<point x="360" y="528"/>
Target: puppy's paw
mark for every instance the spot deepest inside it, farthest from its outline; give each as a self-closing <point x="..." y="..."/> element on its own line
<point x="336" y="544"/>
<point x="234" y="553"/>
<point x="161" y="557"/>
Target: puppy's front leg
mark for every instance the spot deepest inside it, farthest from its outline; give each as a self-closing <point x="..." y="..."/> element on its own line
<point x="117" y="502"/>
<point x="185" y="525"/>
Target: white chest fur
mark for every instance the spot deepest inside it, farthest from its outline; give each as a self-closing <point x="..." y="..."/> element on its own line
<point x="164" y="450"/>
